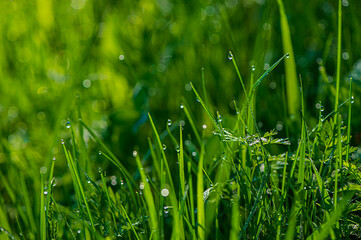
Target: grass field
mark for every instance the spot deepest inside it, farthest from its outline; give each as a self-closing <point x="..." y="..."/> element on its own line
<point x="159" y="119"/>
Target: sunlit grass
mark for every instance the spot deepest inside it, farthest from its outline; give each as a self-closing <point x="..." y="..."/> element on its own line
<point x="161" y="140"/>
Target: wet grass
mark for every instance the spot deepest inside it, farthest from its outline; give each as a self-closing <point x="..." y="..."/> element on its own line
<point x="215" y="172"/>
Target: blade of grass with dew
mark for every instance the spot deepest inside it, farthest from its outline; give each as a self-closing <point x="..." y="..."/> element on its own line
<point x="336" y="117"/>
<point x="178" y="230"/>
<point x="190" y="119"/>
<point x="200" y="199"/>
<point x="338" y="66"/>
<point x="191" y="199"/>
<point x="259" y="80"/>
<point x="153" y="220"/>
<point x="290" y="65"/>
<point x="231" y="57"/>
<point x="78" y="184"/>
<point x="42" y="212"/>
<point x="205" y="107"/>
<point x="181" y="161"/>
<point x="349" y="122"/>
<point x="301" y="166"/>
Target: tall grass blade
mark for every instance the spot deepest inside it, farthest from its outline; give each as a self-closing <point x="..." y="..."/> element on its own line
<point x="153" y="220"/>
<point x="42" y="210"/>
<point x="290" y="65"/>
<point x="200" y="199"/>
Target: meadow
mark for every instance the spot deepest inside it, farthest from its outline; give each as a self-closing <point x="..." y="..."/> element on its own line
<point x="159" y="119"/>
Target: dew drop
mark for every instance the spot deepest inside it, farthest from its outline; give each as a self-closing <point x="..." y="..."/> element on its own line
<point x="100" y="153"/>
<point x="253" y="68"/>
<point x="68" y="125"/>
<point x="62" y="141"/>
<point x="219" y="119"/>
<point x="121" y="182"/>
<point x="230" y="55"/>
<point x="204" y="126"/>
<point x="79" y="231"/>
<point x="287" y="55"/>
<point x="169" y="122"/>
<point x="43" y="170"/>
<point x="54" y="158"/>
<point x="121" y="57"/>
<point x="194" y="154"/>
<point x="352" y="99"/>
<point x="135" y="153"/>
<point x="141" y="186"/>
<point x="177" y="148"/>
<point x="322" y="108"/>
<point x="166" y="209"/>
<point x="181" y="106"/>
<point x="164" y="147"/>
<point x="45" y="192"/>
<point x="164" y="192"/>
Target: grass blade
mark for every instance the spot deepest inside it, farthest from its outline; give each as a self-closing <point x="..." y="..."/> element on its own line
<point x="153" y="220"/>
<point x="200" y="200"/>
<point x="290" y="65"/>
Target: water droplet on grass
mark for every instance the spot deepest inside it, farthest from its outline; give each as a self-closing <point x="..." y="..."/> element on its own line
<point x="141" y="186"/>
<point x="181" y="106"/>
<point x="164" y="192"/>
<point x="230" y="55"/>
<point x="177" y="149"/>
<point x="43" y="170"/>
<point x="204" y="126"/>
<point x="352" y="99"/>
<point x="62" y="141"/>
<point x="169" y="122"/>
<point x="164" y="147"/>
<point x="166" y="210"/>
<point x="287" y="55"/>
<point x="135" y="153"/>
<point x="68" y="125"/>
<point x="253" y="68"/>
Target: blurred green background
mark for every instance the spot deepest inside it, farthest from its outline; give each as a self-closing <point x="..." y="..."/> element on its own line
<point x="118" y="60"/>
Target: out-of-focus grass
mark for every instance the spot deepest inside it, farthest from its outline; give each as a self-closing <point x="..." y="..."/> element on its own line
<point x="111" y="62"/>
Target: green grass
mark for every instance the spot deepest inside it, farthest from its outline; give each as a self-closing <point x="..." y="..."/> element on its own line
<point x="179" y="120"/>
